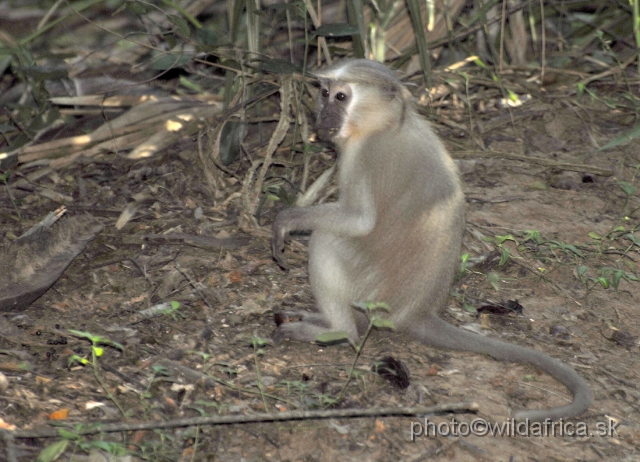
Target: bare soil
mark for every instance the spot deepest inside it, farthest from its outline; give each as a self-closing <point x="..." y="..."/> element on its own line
<point x="228" y="297"/>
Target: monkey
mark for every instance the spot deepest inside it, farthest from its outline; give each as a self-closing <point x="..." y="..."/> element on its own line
<point x="395" y="232"/>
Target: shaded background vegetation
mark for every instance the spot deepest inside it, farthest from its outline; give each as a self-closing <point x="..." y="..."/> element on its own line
<point x="103" y="103"/>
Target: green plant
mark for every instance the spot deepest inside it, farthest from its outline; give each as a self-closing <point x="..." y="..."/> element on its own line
<point x="619" y="241"/>
<point x="505" y="253"/>
<point x="258" y="345"/>
<point x="96" y="352"/>
<point x="627" y="189"/>
<point x="53" y="451"/>
<point x="372" y="310"/>
<point x="464" y="264"/>
<point x="463" y="301"/>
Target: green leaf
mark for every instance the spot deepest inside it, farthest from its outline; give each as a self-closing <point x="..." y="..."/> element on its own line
<point x="379" y="306"/>
<point x="207" y="37"/>
<point x="44" y="73"/>
<point x="504" y="255"/>
<point x="615" y="279"/>
<point x="259" y="342"/>
<point x="494" y="280"/>
<point x="185" y="82"/>
<point x="632" y="238"/>
<point x="355" y="13"/>
<point x="627" y="188"/>
<point x="7" y="128"/>
<point x="364" y="306"/>
<point x="581" y="270"/>
<point x="502" y="239"/>
<point x="469" y="308"/>
<point x="624" y="138"/>
<point x="66" y="434"/>
<point x="595" y="236"/>
<point x="382" y="323"/>
<point x="136" y="7"/>
<point x="371" y="307"/>
<point x="307" y="148"/>
<point x="336" y="30"/>
<point x="275" y="66"/>
<point x="104" y="445"/>
<point x="82" y="334"/>
<point x="170" y="61"/>
<point x="181" y="25"/>
<point x="573" y="249"/>
<point x="159" y="369"/>
<point x="478" y="62"/>
<point x="83" y="361"/>
<point x="99" y="351"/>
<point x="533" y="235"/>
<point x="53" y="451"/>
<point x="332" y="337"/>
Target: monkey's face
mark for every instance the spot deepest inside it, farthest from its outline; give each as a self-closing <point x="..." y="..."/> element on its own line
<point x="335" y="99"/>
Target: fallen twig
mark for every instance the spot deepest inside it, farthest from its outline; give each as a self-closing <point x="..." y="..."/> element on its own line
<point x="458" y="408"/>
<point x="534" y="160"/>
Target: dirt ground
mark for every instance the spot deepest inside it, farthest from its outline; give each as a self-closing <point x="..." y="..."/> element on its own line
<point x="586" y="229"/>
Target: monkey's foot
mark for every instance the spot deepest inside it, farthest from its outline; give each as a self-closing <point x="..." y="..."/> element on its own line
<point x="306" y="329"/>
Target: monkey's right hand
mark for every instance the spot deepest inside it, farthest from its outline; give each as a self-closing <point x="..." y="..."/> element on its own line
<point x="280" y="231"/>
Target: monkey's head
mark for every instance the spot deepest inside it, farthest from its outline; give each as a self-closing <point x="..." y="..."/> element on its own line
<point x="358" y="98"/>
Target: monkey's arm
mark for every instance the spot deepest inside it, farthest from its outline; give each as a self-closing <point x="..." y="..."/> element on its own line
<point x="358" y="218"/>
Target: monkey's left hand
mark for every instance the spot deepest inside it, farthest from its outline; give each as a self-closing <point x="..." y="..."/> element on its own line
<point x="280" y="231"/>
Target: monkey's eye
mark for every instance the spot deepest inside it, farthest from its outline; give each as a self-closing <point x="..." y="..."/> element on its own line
<point x="341" y="96"/>
<point x="325" y="93"/>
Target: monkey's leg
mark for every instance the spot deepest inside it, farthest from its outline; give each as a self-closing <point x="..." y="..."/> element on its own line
<point x="329" y="270"/>
<point x="306" y="330"/>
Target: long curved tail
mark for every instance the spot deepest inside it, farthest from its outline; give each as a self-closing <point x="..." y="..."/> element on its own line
<point x="439" y="333"/>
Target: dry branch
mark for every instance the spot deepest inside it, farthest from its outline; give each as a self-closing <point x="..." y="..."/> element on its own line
<point x="533" y="160"/>
<point x="457" y="408"/>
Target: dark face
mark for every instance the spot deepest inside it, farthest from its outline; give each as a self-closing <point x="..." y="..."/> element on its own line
<point x="334" y="100"/>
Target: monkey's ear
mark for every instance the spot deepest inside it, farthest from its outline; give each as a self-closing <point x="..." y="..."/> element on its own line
<point x="321" y="82"/>
<point x="390" y="91"/>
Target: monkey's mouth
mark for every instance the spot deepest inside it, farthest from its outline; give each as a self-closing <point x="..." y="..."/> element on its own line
<point x="326" y="133"/>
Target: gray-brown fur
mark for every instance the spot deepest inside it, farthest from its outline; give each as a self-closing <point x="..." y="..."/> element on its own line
<point x="394" y="234"/>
